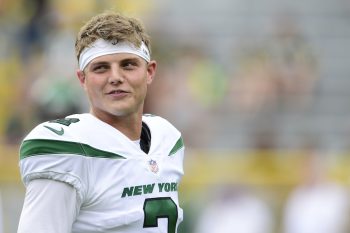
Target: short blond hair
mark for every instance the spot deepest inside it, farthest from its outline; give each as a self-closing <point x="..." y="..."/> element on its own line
<point x="111" y="26"/>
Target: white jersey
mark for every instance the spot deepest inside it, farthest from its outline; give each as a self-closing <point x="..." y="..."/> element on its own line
<point x="120" y="188"/>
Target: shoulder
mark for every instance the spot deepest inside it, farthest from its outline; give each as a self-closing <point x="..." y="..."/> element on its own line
<point x="46" y="152"/>
<point x="159" y="123"/>
<point x="56" y="129"/>
<point x="57" y="133"/>
<point x="164" y="133"/>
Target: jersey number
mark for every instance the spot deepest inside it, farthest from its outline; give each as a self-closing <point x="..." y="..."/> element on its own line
<point x="65" y="121"/>
<point x="162" y="207"/>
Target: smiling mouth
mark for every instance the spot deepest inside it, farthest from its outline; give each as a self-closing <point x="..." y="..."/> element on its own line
<point x="116" y="92"/>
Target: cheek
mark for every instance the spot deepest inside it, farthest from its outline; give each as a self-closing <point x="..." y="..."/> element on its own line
<point x="142" y="87"/>
<point x="138" y="81"/>
<point x="93" y="86"/>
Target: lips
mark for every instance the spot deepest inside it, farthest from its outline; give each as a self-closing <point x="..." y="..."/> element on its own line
<point x="117" y="93"/>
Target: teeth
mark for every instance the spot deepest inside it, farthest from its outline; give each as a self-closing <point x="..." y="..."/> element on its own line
<point x="118" y="91"/>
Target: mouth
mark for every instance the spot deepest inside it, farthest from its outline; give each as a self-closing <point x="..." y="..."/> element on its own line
<point x="117" y="94"/>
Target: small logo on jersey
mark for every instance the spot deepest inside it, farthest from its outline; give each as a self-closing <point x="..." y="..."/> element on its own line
<point x="153" y="166"/>
<point x="58" y="132"/>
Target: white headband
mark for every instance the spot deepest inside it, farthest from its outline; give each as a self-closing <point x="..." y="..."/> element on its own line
<point x="102" y="47"/>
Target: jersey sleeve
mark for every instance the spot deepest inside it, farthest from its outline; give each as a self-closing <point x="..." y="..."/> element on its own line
<point x="44" y="154"/>
<point x="49" y="206"/>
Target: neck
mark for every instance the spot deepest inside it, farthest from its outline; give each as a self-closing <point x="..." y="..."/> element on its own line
<point x="130" y="125"/>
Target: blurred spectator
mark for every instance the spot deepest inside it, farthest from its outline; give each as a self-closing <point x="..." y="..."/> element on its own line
<point x="39" y="25"/>
<point x="253" y="87"/>
<point x="59" y="97"/>
<point x="14" y="130"/>
<point x="294" y="62"/>
<point x="317" y="205"/>
<point x="60" y="94"/>
<point x="280" y="72"/>
<point x="207" y="81"/>
<point x="235" y="210"/>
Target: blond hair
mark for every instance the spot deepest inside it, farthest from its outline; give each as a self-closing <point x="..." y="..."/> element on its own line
<point x="111" y="27"/>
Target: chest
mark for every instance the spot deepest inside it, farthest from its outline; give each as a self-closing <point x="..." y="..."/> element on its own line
<point x="124" y="194"/>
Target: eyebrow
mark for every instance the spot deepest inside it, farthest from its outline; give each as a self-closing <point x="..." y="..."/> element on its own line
<point x="132" y="59"/>
<point x="100" y="63"/>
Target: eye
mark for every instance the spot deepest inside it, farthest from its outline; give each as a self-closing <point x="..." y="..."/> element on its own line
<point x="100" y="68"/>
<point x="129" y="65"/>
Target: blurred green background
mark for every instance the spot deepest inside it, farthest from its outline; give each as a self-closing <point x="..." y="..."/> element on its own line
<point x="259" y="88"/>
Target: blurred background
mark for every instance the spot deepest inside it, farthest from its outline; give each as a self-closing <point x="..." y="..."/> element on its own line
<point x="259" y="88"/>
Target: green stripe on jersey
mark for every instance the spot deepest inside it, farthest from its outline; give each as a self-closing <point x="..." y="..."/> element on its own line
<point x="43" y="146"/>
<point x="178" y="145"/>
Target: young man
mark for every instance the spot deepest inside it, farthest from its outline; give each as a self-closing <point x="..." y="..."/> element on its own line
<point x="113" y="169"/>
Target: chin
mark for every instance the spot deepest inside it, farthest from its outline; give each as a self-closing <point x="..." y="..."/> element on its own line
<point x="121" y="112"/>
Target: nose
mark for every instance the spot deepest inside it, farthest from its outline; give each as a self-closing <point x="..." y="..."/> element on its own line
<point x="116" y="76"/>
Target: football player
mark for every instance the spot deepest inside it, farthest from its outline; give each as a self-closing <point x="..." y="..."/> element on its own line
<point x="113" y="169"/>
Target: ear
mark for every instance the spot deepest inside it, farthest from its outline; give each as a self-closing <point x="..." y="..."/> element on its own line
<point x="151" y="71"/>
<point x="81" y="77"/>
